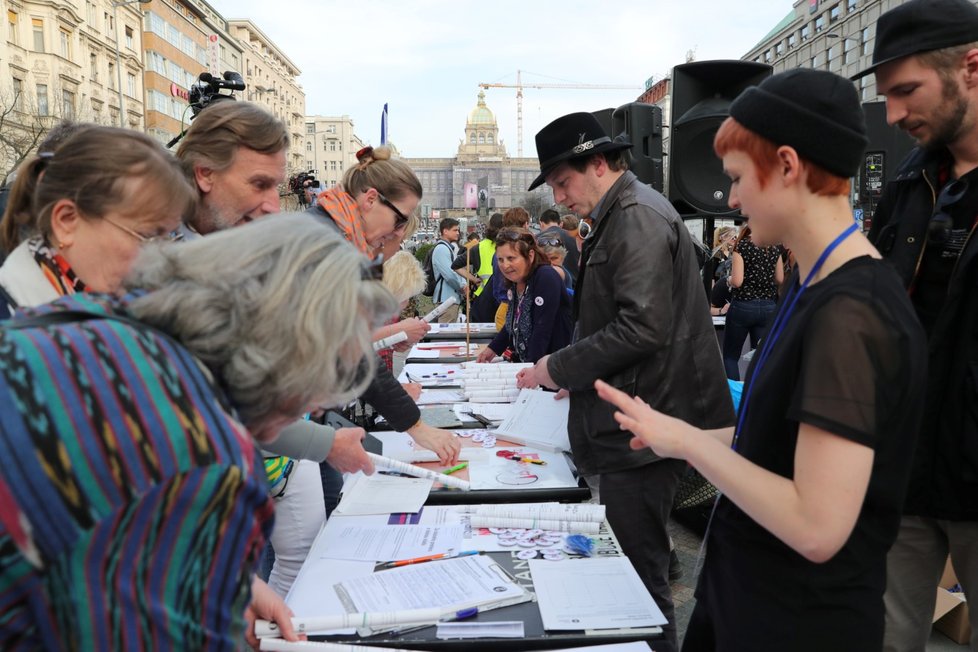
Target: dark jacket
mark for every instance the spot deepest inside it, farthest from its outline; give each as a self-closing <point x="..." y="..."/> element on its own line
<point x="643" y="325"/>
<point x="549" y="308"/>
<point x="385" y="394"/>
<point x="944" y="479"/>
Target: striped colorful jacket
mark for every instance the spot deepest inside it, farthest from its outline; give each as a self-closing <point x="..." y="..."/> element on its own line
<point x="133" y="506"/>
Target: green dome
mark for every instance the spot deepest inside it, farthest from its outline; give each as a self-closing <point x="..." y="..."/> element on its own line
<point x="481" y="115"/>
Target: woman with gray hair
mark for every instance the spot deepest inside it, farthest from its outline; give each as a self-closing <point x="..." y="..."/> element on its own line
<point x="135" y="497"/>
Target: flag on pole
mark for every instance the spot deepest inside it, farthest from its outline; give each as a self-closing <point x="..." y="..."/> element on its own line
<point x="383" y="126"/>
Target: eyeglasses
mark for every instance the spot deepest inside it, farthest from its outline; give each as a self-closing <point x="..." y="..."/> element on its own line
<point x="374" y="270"/>
<point x="400" y="219"/>
<point x="147" y="239"/>
<point x="941" y="223"/>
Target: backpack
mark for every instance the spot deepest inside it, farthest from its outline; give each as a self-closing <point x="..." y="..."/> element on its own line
<point x="431" y="284"/>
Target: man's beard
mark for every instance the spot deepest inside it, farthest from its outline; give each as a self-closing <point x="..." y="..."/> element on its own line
<point x="951" y="123"/>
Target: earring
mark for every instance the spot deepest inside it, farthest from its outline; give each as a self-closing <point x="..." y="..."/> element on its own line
<point x="64" y="245"/>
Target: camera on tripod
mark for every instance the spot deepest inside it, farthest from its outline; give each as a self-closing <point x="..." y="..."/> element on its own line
<point x="303" y="180"/>
<point x="207" y="89"/>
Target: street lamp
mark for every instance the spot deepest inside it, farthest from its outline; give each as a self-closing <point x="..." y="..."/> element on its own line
<point x="118" y="54"/>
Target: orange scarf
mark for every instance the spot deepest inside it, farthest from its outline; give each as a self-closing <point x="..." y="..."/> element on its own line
<point x="343" y="210"/>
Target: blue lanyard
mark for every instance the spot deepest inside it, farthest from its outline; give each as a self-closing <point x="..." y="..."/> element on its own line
<point x="780" y="320"/>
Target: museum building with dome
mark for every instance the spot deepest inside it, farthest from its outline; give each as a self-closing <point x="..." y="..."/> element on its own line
<point x="481" y="161"/>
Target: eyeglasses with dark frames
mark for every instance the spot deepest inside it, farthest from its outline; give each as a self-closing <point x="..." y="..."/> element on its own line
<point x="512" y="235"/>
<point x="400" y="219"/>
<point x="146" y="239"/>
<point x="941" y="223"/>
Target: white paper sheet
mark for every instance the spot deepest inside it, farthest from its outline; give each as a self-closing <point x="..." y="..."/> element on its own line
<point x="592" y="594"/>
<point x="312" y="594"/>
<point x="431" y="375"/>
<point x="538" y="420"/>
<point x="440" y="396"/>
<point x="493" y="411"/>
<point x="393" y="542"/>
<point x="489" y="471"/>
<point x="456" y="583"/>
<point x="382" y="494"/>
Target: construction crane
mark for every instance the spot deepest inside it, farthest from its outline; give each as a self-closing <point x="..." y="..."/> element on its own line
<point x="519" y="86"/>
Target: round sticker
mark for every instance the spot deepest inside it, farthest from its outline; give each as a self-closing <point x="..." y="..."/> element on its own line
<point x="509" y="295"/>
<point x="538" y="301"/>
<point x="552" y="555"/>
<point x="527" y="554"/>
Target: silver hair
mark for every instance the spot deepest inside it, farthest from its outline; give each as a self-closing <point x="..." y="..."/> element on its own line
<point x="278" y="310"/>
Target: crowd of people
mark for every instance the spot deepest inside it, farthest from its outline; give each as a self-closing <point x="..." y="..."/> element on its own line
<point x="168" y="349"/>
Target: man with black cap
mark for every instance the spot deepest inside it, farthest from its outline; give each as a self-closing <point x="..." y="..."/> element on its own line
<point x="643" y="325"/>
<point x="926" y="66"/>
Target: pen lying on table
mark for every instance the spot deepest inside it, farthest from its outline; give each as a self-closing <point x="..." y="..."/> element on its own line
<point x="409" y="617"/>
<point x="531" y="460"/>
<point x="418" y="560"/>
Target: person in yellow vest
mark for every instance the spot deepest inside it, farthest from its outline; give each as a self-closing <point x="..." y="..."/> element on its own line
<point x="479" y="258"/>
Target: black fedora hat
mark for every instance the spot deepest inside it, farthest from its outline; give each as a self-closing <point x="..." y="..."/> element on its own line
<point x="922" y="26"/>
<point x="572" y="136"/>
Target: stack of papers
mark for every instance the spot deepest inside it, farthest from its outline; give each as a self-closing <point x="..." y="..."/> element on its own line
<point x="382" y="494"/>
<point x="538" y="420"/>
<point x="450" y="584"/>
<point x="607" y="593"/>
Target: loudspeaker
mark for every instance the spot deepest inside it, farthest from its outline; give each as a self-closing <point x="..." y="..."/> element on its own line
<point x="642" y="123"/>
<point x="888" y="146"/>
<point x="605" y="120"/>
<point x="701" y="96"/>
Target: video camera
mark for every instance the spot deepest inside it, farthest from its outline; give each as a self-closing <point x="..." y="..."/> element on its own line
<point x="298" y="182"/>
<point x="207" y="89"/>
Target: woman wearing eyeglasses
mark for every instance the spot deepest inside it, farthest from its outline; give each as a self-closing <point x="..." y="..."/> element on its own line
<point x="553" y="248"/>
<point x="373" y="200"/>
<point x="95" y="202"/>
<point x="814" y="474"/>
<point x="538" y="321"/>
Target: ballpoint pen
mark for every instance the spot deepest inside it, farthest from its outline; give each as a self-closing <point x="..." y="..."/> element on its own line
<point x="517" y="458"/>
<point x="481" y="419"/>
<point x="418" y="560"/>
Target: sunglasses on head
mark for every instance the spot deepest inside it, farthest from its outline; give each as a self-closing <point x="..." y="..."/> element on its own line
<point x="941" y="223"/>
<point x="400" y="218"/>
<point x="550" y="242"/>
<point x="510" y="235"/>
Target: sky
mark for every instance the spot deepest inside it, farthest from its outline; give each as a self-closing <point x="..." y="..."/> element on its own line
<point x="426" y="58"/>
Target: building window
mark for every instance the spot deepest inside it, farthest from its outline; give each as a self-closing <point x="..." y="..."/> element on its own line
<point x="830" y="54"/>
<point x="332" y="166"/>
<point x="792" y="40"/>
<point x="91" y="13"/>
<point x="331" y="129"/>
<point x="864" y="38"/>
<point x="816" y="62"/>
<point x="93" y="66"/>
<point x="806" y="31"/>
<point x="332" y="145"/>
<point x="489" y="139"/>
<point x="819" y="23"/>
<point x="67" y="104"/>
<point x="18" y="94"/>
<point x="12" y="27"/>
<point x="65" y="44"/>
<point x="37" y="26"/>
<point x="767" y="56"/>
<point x="308" y="147"/>
<point x="129" y="37"/>
<point x="851" y="5"/>
<point x="779" y="49"/>
<point x="130" y="84"/>
<point x="42" y="99"/>
<point x="310" y="129"/>
<point x="472" y="138"/>
<point x="482" y="138"/>
<point x="111" y="79"/>
<point x="834" y="13"/>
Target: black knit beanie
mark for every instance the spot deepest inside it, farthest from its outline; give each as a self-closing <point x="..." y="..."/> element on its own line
<point x="814" y="111"/>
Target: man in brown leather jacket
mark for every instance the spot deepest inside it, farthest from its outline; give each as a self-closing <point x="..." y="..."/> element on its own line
<point x="642" y="324"/>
